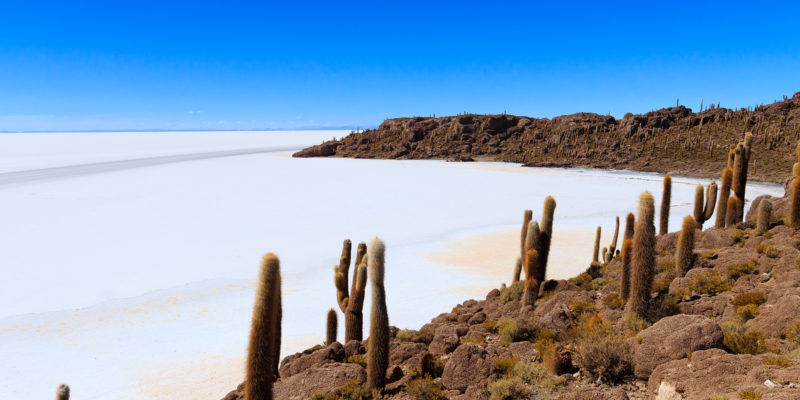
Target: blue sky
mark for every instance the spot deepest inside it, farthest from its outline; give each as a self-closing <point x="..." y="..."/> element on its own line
<point x="235" y="65"/>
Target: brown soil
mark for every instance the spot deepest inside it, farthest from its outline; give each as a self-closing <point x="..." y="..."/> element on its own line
<point x="670" y="140"/>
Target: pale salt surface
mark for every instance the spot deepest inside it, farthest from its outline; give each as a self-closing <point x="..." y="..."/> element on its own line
<point x="135" y="279"/>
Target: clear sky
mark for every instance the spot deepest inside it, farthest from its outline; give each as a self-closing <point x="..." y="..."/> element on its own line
<point x="233" y="64"/>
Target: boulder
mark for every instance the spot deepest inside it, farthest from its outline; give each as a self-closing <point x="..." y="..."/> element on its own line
<point x="672" y="338"/>
<point x="293" y="365"/>
<point x="467" y="365"/>
<point x="319" y="379"/>
<point x="446" y="338"/>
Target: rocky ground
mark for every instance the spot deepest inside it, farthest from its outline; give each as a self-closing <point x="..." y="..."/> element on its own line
<point x="670" y="140"/>
<point x="728" y="329"/>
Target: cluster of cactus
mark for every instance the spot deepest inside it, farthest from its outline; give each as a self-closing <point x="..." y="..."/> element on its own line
<point x="738" y="162"/>
<point x="538" y="238"/>
<point x="666" y="195"/>
<point x="351" y="302"/>
<point x="704" y="211"/>
<point x="265" y="332"/>
<point x="642" y="262"/>
<point x="684" y="252"/>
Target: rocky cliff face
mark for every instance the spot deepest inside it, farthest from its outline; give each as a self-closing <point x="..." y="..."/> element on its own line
<point x="674" y="140"/>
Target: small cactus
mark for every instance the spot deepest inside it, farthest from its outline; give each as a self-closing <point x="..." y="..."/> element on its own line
<point x="630" y="222"/>
<point x="731" y="214"/>
<point x="704" y="210"/>
<point x="613" y="246"/>
<point x="331" y="327"/>
<point x="596" y="251"/>
<point x="526" y="219"/>
<point x="264" y="334"/>
<point x="378" y="346"/>
<point x="724" y="194"/>
<point x="663" y="226"/>
<point x="531" y="284"/>
<point x="625" y="284"/>
<point x="794" y="212"/>
<point x="62" y="393"/>
<point x="545" y="237"/>
<point x="684" y="252"/>
<point x="340" y="275"/>
<point x="642" y="257"/>
<point x="764" y="216"/>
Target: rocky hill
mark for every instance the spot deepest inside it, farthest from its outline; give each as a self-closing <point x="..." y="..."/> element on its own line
<point x="670" y="140"/>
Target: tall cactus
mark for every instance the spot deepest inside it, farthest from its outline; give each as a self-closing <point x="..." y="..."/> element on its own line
<point x="545" y="237"/>
<point x="642" y="257"/>
<point x="62" y="393"/>
<point x="764" y="216"/>
<point x="517" y="271"/>
<point x="666" y="195"/>
<point x="625" y="284"/>
<point x="684" y="253"/>
<point x="613" y="246"/>
<point x="331" y="327"/>
<point x="526" y="219"/>
<point x="630" y="222"/>
<point x="724" y="194"/>
<point x="354" y="317"/>
<point x="264" y="334"/>
<point x="378" y="347"/>
<point x="351" y="300"/>
<point x="740" y="165"/>
<point x="531" y="284"/>
<point x="732" y="213"/>
<point x="340" y="275"/>
<point x="794" y="212"/>
<point x="596" y="251"/>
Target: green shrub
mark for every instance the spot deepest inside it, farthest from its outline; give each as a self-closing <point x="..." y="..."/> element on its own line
<point x="313" y="349"/>
<point x="792" y="331"/>
<point x="740" y="341"/>
<point x="665" y="264"/>
<point x="474" y="339"/>
<point x="749" y="395"/>
<point x="583" y="281"/>
<point x="353" y="390"/>
<point x="777" y="361"/>
<point x="709" y="254"/>
<point x="737" y="270"/>
<point x="661" y="284"/>
<point x="773" y="253"/>
<point x="514" y="331"/>
<point x="709" y="282"/>
<point x="613" y="301"/>
<point x="608" y="358"/>
<point x="581" y="307"/>
<point x="421" y="336"/>
<point x="747" y="312"/>
<point x="358" y="359"/>
<point x="755" y="297"/>
<point x="504" y="365"/>
<point x="513" y="292"/>
<point x="510" y="388"/>
<point x="537" y="374"/>
<point x="737" y="235"/>
<point x="490" y="325"/>
<point x="424" y="389"/>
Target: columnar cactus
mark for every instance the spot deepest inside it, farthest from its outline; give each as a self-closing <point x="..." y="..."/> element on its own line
<point x="724" y="194"/>
<point x="596" y="251"/>
<point x="740" y="165"/>
<point x="532" y="239"/>
<point x="517" y="271"/>
<point x="340" y="276"/>
<point x="732" y="213"/>
<point x="764" y="216"/>
<point x="684" y="253"/>
<point x="703" y="212"/>
<point x="613" y="246"/>
<point x="642" y="257"/>
<point x="531" y="284"/>
<point x="331" y="327"/>
<point x="526" y="219"/>
<point x="625" y="284"/>
<point x="62" y="393"/>
<point x="351" y="300"/>
<point x="378" y="346"/>
<point x="794" y="212"/>
<point x="630" y="221"/>
<point x="663" y="226"/>
<point x="545" y="237"/>
<point x="264" y="333"/>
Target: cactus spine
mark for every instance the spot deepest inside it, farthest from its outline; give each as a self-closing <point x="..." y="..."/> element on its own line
<point x="684" y="256"/>
<point x="642" y="257"/>
<point x="613" y="246"/>
<point x="630" y="222"/>
<point x="794" y="213"/>
<point x="264" y="333"/>
<point x="764" y="216"/>
<point x="331" y="327"/>
<point x="531" y="285"/>
<point x="62" y="393"/>
<point x="596" y="251"/>
<point x="663" y="226"/>
<point x="625" y="284"/>
<point x="517" y="271"/>
<point x="724" y="194"/>
<point x="378" y="347"/>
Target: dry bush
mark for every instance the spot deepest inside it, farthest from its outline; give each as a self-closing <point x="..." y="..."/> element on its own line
<point x="607" y="358"/>
<point x="755" y="297"/>
<point x="709" y="282"/>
